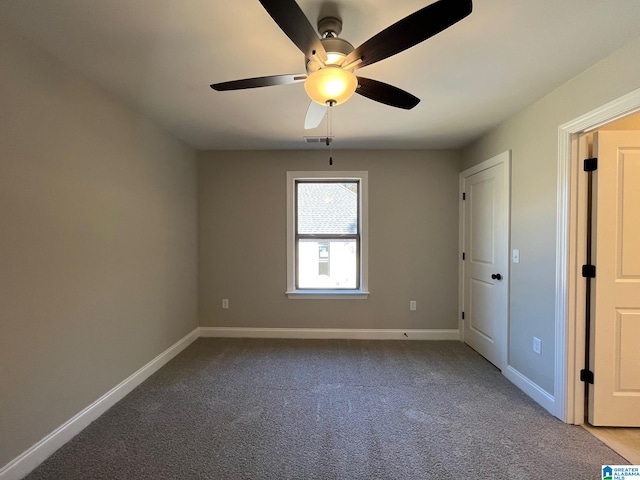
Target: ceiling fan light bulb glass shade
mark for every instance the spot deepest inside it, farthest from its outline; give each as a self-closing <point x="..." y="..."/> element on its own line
<point x="331" y="84"/>
<point x="335" y="58"/>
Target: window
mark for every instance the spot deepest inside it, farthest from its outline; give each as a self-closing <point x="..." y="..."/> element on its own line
<point x="327" y="234"/>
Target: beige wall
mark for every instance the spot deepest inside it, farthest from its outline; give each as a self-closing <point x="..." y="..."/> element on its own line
<point x="98" y="246"/>
<point x="413" y="238"/>
<point x="532" y="135"/>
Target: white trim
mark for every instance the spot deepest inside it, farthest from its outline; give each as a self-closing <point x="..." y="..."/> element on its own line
<point x="363" y="178"/>
<point x="569" y="404"/>
<point x="461" y="233"/>
<point x="505" y="159"/>
<point x="38" y="453"/>
<point x="537" y="393"/>
<point x="326" y="294"/>
<point x="562" y="346"/>
<point x="337" y="333"/>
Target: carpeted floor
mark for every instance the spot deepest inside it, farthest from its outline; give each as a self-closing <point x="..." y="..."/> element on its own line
<point x="328" y="409"/>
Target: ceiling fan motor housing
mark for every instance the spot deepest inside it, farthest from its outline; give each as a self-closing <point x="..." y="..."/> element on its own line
<point x="329" y="27"/>
<point x="337" y="49"/>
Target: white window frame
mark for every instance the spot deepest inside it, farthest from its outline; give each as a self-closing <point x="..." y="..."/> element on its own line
<point x="361" y="293"/>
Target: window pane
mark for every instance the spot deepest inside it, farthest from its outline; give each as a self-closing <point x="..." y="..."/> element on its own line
<point x="327" y="264"/>
<point x="327" y="208"/>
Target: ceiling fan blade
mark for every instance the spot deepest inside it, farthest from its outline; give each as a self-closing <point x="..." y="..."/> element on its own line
<point x="410" y="31"/>
<point x="315" y="114"/>
<point x="258" y="82"/>
<point x="294" y="23"/>
<point x="385" y="93"/>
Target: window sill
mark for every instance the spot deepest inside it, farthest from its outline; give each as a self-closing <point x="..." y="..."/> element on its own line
<point x="327" y="294"/>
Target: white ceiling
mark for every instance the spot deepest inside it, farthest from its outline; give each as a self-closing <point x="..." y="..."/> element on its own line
<point x="161" y="55"/>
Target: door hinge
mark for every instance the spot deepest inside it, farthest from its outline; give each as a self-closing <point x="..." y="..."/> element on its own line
<point x="590" y="164"/>
<point x="464" y="196"/>
<point x="463" y="315"/>
<point x="589" y="271"/>
<point x="586" y="376"/>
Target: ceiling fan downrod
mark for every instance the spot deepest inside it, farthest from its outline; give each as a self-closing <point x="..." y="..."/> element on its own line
<point x="329" y="27"/>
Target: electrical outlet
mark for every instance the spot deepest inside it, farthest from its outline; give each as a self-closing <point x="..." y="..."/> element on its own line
<point x="537" y="345"/>
<point x="412" y="305"/>
<point x="225" y="303"/>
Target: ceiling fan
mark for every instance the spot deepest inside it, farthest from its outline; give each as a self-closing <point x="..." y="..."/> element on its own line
<point x="330" y="60"/>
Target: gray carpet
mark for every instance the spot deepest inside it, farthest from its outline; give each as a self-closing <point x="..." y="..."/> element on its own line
<point x="328" y="409"/>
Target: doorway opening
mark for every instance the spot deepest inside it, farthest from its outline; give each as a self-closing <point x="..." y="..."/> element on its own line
<point x="571" y="231"/>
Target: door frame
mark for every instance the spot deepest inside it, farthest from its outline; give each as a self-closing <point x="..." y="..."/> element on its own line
<point x="570" y="334"/>
<point x="502" y="158"/>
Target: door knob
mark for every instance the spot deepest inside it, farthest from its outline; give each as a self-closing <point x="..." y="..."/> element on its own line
<point x="496" y="276"/>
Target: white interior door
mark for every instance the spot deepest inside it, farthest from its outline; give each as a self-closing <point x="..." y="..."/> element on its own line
<point x="614" y="397"/>
<point x="485" y="268"/>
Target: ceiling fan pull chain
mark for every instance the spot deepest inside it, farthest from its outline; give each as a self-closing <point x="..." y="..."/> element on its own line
<point x="329" y="139"/>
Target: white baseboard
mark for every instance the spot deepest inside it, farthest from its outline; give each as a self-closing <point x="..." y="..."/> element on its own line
<point x="38" y="453"/>
<point x="34" y="456"/>
<point x="340" y="333"/>
<point x="537" y="393"/>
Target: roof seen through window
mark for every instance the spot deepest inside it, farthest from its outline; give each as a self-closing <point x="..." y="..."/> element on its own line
<point x="327" y="208"/>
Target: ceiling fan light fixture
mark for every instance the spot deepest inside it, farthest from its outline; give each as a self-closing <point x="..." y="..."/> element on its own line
<point x="331" y="84"/>
<point x="337" y="50"/>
